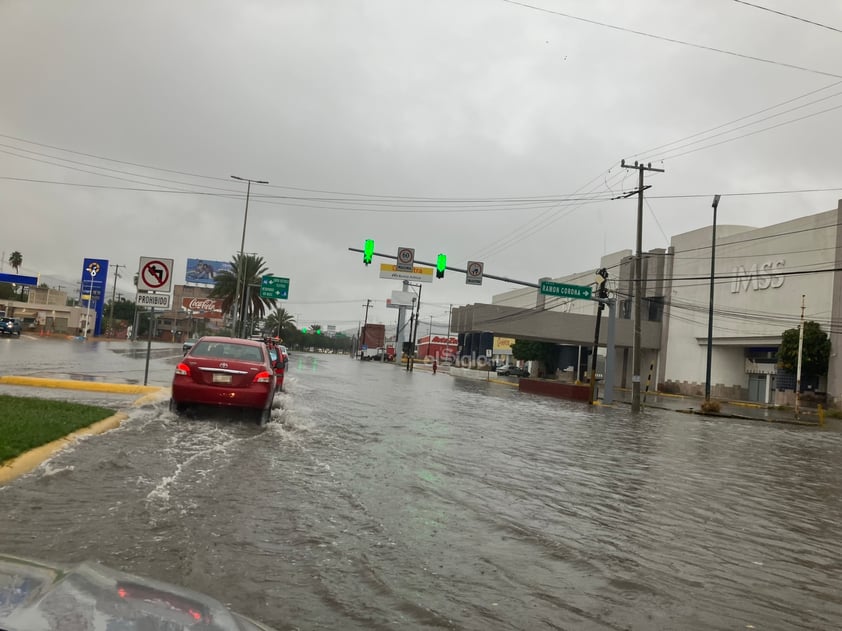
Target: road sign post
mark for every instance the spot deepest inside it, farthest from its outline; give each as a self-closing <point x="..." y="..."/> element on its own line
<point x="562" y="290"/>
<point x="274" y="287"/>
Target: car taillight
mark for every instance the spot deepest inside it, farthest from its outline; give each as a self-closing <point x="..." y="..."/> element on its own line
<point x="263" y="377"/>
<point x="182" y="369"/>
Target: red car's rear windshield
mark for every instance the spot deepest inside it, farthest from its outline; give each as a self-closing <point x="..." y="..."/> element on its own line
<point x="228" y="350"/>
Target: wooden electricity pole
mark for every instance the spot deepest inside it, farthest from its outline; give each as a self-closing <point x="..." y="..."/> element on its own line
<point x="637" y="281"/>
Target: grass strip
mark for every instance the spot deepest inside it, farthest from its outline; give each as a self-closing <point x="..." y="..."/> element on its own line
<point x="28" y="422"/>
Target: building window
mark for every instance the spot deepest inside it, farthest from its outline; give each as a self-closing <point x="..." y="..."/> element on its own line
<point x="656" y="308"/>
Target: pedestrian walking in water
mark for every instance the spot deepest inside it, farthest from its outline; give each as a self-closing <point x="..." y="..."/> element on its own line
<point x="435" y="366"/>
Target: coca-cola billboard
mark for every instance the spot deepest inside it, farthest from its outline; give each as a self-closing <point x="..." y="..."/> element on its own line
<point x="203" y="307"/>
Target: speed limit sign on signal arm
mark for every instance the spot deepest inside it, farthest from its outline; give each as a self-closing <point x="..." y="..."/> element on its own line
<point x="406" y="259"/>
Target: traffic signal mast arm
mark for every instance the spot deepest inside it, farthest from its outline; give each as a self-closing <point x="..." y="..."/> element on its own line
<point x="455" y="269"/>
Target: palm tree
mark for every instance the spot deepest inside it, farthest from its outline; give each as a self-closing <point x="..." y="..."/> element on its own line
<point x="16" y="260"/>
<point x="225" y="287"/>
<point x="277" y="323"/>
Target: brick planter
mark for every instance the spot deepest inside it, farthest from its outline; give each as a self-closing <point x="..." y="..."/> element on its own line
<point x="555" y="389"/>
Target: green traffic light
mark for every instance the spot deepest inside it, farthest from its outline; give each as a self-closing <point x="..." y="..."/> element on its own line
<point x="303" y="329"/>
<point x="368" y="251"/>
<point x="441" y="265"/>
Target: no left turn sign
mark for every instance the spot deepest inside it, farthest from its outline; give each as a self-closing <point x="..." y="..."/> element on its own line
<point x="474" y="274"/>
<point x="155" y="274"/>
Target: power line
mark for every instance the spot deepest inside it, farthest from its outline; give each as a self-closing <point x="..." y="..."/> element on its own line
<point x="749" y="124"/>
<point x="741" y="118"/>
<point x="788" y="15"/>
<point x="746" y="135"/>
<point x="673" y="40"/>
<point x="91" y="155"/>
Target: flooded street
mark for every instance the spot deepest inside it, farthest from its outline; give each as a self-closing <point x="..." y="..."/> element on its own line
<point x="381" y="499"/>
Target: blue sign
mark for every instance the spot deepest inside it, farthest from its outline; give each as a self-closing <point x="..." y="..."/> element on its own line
<point x="18" y="279"/>
<point x="92" y="294"/>
<point x="204" y="272"/>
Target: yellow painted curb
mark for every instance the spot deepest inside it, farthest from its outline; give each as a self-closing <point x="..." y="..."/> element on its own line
<point x="30" y="460"/>
<point x="71" y="384"/>
<point x="501" y="381"/>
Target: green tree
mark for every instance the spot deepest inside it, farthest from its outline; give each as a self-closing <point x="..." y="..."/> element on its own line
<point x="123" y="309"/>
<point x="16" y="260"/>
<point x="225" y="287"/>
<point x="814" y="355"/>
<point x="532" y="350"/>
<point x="279" y="323"/>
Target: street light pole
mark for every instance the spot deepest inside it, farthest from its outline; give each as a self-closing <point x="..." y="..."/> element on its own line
<point x="710" y="303"/>
<point x="240" y="279"/>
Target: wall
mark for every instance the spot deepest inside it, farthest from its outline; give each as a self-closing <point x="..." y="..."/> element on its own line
<point x="753" y="309"/>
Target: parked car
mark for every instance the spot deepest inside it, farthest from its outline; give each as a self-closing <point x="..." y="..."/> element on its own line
<point x="188" y="344"/>
<point x="10" y="326"/>
<point x="508" y="369"/>
<point x="228" y="372"/>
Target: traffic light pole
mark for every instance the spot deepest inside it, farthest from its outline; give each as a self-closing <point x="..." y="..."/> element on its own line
<point x="410" y="362"/>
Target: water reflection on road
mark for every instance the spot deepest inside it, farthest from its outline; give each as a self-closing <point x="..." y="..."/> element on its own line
<point x="384" y="499"/>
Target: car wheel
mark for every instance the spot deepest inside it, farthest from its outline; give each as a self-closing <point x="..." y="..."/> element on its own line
<point x="177" y="408"/>
<point x="264" y="416"/>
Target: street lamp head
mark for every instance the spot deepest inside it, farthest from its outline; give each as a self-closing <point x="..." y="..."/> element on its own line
<point x="716" y="201"/>
<point x="245" y="179"/>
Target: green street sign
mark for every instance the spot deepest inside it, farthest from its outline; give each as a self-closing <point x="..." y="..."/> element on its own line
<point x="274" y="287"/>
<point x="549" y="288"/>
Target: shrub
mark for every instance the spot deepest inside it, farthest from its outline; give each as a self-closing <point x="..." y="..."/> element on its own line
<point x="711" y="407"/>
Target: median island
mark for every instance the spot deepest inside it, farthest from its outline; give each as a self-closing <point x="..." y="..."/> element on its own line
<point x="27" y="422"/>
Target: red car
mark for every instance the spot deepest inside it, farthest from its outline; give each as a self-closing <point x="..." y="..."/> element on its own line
<point x="225" y="371"/>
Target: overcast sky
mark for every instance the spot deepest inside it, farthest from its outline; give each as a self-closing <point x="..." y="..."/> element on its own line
<point x="433" y="125"/>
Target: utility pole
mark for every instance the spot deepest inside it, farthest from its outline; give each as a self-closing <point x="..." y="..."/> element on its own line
<point x="798" y="372"/>
<point x="365" y="326"/>
<point x="638" y="280"/>
<point x="113" y="296"/>
<point x="715" y="205"/>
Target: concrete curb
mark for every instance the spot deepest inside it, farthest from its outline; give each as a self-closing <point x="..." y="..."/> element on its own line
<point x="71" y="384"/>
<point x="32" y="459"/>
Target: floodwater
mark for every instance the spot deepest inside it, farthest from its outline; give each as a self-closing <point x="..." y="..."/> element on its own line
<point x="381" y="499"/>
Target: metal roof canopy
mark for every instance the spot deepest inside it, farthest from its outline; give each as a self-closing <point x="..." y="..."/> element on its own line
<point x="550" y="326"/>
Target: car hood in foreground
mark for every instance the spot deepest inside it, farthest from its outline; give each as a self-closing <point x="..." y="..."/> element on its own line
<point x="35" y="596"/>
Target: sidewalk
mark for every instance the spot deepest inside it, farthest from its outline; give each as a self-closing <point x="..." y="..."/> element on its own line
<point x="728" y="409"/>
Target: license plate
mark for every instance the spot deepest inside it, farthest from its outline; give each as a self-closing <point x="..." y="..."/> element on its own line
<point x="221" y="378"/>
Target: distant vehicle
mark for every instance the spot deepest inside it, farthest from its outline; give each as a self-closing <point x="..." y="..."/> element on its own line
<point x="89" y="596"/>
<point x="284" y="354"/>
<point x="10" y="326"/>
<point x="375" y="354"/>
<point x="188" y="344"/>
<point x="508" y="369"/>
<point x="278" y="363"/>
<point x="225" y="371"/>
